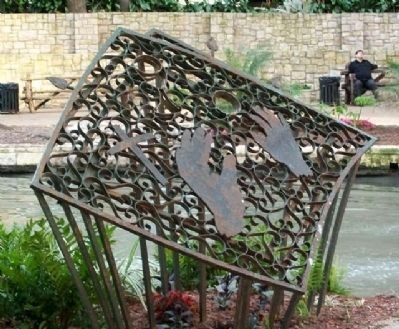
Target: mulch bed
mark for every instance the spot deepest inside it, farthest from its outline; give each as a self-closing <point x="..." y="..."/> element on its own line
<point x="340" y="312"/>
<point x="343" y="312"/>
<point x="388" y="135"/>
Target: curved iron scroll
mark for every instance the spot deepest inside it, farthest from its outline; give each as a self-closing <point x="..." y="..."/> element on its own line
<point x="180" y="145"/>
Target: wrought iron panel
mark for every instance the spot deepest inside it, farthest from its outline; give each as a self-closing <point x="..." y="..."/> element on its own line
<point x="186" y="151"/>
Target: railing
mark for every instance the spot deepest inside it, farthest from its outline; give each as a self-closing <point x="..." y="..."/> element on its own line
<point x="36" y="97"/>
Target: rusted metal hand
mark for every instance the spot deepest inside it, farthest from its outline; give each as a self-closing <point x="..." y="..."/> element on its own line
<point x="220" y="193"/>
<point x="279" y="142"/>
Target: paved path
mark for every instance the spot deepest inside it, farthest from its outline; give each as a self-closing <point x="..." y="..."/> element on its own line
<point x="380" y="114"/>
<point x="47" y="117"/>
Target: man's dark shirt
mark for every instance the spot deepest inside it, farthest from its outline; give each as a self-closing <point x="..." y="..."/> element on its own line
<point x="362" y="69"/>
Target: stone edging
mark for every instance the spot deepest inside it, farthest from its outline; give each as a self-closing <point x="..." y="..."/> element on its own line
<point x="381" y="156"/>
<point x="17" y="158"/>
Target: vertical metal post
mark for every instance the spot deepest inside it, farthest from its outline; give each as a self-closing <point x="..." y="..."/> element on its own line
<point x="29" y="95"/>
<point x="162" y="259"/>
<point x="334" y="235"/>
<point x="163" y="268"/>
<point x="69" y="261"/>
<point x="202" y="285"/>
<point x="176" y="271"/>
<point x="241" y="319"/>
<point x="104" y="273"/>
<point x="202" y="268"/>
<point x="323" y="245"/>
<point x="147" y="283"/>
<point x="103" y="301"/>
<point x="277" y="300"/>
<point x="114" y="272"/>
<point x="290" y="310"/>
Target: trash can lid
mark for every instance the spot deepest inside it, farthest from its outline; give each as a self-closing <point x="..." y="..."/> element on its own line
<point x="9" y="85"/>
<point x="329" y="78"/>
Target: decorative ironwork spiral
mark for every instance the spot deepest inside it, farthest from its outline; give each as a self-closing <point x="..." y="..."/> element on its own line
<point x="176" y="143"/>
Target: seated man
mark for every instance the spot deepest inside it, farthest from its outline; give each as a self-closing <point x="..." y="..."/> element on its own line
<point x="362" y="69"/>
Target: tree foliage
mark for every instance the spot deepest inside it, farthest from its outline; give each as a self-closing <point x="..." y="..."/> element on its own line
<point x="310" y="6"/>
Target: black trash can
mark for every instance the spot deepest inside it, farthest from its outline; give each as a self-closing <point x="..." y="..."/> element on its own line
<point x="329" y="90"/>
<point x="9" y="98"/>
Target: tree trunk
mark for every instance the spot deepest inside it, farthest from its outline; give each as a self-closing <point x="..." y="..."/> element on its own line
<point x="124" y="5"/>
<point x="76" y="6"/>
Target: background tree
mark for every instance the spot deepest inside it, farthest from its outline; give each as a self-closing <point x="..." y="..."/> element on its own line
<point x="76" y="6"/>
<point x="124" y="5"/>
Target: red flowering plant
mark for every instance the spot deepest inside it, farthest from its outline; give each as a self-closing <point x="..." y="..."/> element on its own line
<point x="360" y="123"/>
<point x="174" y="310"/>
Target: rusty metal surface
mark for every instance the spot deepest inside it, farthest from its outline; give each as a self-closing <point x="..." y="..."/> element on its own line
<point x="169" y="143"/>
<point x="220" y="192"/>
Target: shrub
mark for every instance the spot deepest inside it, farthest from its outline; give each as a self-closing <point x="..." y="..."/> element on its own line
<point x="28" y="6"/>
<point x="364" y="101"/>
<point x="335" y="281"/>
<point x="36" y="289"/>
<point x="251" y="62"/>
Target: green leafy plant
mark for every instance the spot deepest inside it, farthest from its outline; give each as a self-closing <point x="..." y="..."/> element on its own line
<point x="36" y="289"/>
<point x="364" y="101"/>
<point x="301" y="309"/>
<point x="335" y="281"/>
<point x="343" y="114"/>
<point x="28" y="6"/>
<point x="155" y="5"/>
<point x="251" y="62"/>
<point x="131" y="272"/>
<point x="226" y="6"/>
<point x="316" y="275"/>
<point x="338" y="6"/>
<point x="341" y="110"/>
<point x="315" y="283"/>
<point x="295" y="89"/>
<point x="102" y="5"/>
<point x="188" y="267"/>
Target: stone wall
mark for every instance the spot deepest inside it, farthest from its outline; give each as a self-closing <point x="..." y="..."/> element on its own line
<point x="304" y="46"/>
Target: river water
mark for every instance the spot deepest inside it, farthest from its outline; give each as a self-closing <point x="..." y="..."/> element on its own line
<point x="368" y="246"/>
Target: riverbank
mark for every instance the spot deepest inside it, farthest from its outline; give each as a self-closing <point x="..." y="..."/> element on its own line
<point x="23" y="137"/>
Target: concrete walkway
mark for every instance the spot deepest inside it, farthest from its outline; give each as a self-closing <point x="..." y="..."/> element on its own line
<point x="46" y="117"/>
<point x="380" y="114"/>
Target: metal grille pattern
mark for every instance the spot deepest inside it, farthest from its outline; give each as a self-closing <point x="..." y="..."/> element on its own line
<point x="191" y="154"/>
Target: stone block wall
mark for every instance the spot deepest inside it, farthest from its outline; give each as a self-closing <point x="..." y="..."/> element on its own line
<point x="303" y="46"/>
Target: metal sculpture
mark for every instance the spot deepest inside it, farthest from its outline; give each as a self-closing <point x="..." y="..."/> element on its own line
<point x="182" y="150"/>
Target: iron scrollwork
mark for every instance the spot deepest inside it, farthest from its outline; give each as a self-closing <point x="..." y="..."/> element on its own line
<point x="172" y="142"/>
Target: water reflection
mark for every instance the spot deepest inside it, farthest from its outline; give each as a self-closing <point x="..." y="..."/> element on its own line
<point x="367" y="246"/>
